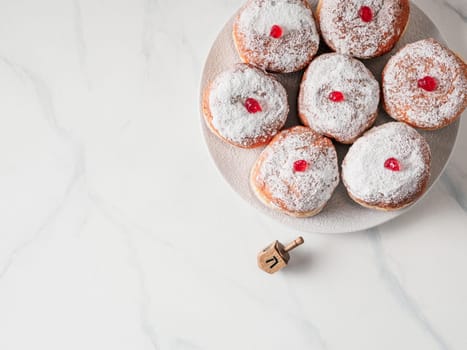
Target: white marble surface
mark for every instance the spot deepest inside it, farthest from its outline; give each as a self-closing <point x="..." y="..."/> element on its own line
<point x="117" y="231"/>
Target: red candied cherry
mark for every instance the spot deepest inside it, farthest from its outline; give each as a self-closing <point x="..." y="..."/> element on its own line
<point x="336" y="96"/>
<point x="300" y="165"/>
<point x="366" y="14"/>
<point x="252" y="106"/>
<point x="428" y="83"/>
<point x="392" y="164"/>
<point x="276" y="31"/>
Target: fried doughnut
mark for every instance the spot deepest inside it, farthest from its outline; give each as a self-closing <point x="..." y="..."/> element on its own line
<point x="338" y="97"/>
<point x="245" y="106"/>
<point x="296" y="173"/>
<point x="362" y="28"/>
<point x="425" y="85"/>
<point x="276" y="35"/>
<point x="388" y="168"/>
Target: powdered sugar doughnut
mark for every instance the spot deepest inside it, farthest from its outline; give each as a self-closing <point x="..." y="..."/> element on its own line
<point x="362" y="28"/>
<point x="296" y="173"/>
<point x="338" y="97"/>
<point x="245" y="106"/>
<point x="425" y="85"/>
<point x="387" y="168"/>
<point x="276" y="35"/>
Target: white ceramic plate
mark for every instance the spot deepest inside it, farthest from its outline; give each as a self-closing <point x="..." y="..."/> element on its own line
<point x="341" y="214"/>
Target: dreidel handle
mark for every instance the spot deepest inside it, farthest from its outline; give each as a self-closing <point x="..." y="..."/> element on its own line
<point x="294" y="244"/>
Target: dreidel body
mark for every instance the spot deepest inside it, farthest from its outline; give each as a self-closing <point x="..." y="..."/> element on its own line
<point x="276" y="256"/>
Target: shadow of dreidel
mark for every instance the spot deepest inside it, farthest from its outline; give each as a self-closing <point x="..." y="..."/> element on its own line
<point x="276" y="256"/>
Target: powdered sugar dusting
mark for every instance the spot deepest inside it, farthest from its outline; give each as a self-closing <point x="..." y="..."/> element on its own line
<point x="230" y="118"/>
<point x="363" y="170"/>
<point x="343" y="28"/>
<point x="404" y="100"/>
<point x="344" y="120"/>
<point x="303" y="191"/>
<point x="293" y="50"/>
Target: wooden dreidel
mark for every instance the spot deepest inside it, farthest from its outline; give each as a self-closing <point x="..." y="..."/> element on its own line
<point x="275" y="256"/>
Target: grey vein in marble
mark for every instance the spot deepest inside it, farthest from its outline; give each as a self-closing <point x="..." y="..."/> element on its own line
<point x="79" y="36"/>
<point x="183" y="344"/>
<point x="186" y="43"/>
<point x="46" y="102"/>
<point x="310" y="329"/>
<point x="120" y="219"/>
<point x="149" y="27"/>
<point x="43" y="94"/>
<point x="455" y="180"/>
<point x="48" y="221"/>
<point x="313" y="334"/>
<point x="397" y="290"/>
<point x="133" y="259"/>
